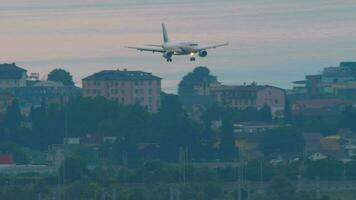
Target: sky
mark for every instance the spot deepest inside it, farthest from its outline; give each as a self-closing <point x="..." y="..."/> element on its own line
<point x="270" y="42"/>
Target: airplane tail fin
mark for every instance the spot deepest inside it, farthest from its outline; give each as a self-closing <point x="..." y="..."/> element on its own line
<point x="165" y="34"/>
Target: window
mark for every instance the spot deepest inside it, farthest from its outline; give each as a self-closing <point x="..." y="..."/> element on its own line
<point x="276" y="101"/>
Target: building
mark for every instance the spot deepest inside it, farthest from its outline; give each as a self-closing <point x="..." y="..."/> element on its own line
<point x="37" y="93"/>
<point x="12" y="76"/>
<point x="336" y="81"/>
<point x="345" y="90"/>
<point x="316" y="107"/>
<point x="125" y="87"/>
<point x="251" y="96"/>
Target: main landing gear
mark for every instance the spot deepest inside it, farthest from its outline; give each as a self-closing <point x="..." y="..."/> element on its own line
<point x="169" y="60"/>
<point x="192" y="59"/>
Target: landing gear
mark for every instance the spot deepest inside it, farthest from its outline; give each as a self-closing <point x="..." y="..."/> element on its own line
<point x="169" y="60"/>
<point x="192" y="58"/>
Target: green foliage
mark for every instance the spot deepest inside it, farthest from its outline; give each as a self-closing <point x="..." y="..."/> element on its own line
<point x="266" y="114"/>
<point x="325" y="169"/>
<point x="82" y="189"/>
<point x="348" y="118"/>
<point x="74" y="170"/>
<point x="13" y="117"/>
<point x="281" y="188"/>
<point x="282" y="140"/>
<point x="317" y="123"/>
<point x="174" y="129"/>
<point x="259" y="196"/>
<point x="288" y="118"/>
<point x="199" y="76"/>
<point x="20" y="157"/>
<point x="237" y="115"/>
<point x="227" y="148"/>
<point x="61" y="75"/>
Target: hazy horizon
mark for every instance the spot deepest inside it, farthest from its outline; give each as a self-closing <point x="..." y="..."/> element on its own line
<point x="274" y="43"/>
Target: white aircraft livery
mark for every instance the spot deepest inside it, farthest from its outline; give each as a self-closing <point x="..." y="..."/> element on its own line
<point x="169" y="48"/>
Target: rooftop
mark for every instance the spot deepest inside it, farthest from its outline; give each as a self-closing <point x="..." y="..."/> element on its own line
<point x="11" y="71"/>
<point x="122" y="75"/>
<point x="250" y="88"/>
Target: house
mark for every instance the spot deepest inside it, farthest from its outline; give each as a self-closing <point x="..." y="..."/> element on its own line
<point x="12" y="76"/>
<point x="276" y="161"/>
<point x="72" y="140"/>
<point x="125" y="87"/>
<point x="317" y="156"/>
<point x="256" y="96"/>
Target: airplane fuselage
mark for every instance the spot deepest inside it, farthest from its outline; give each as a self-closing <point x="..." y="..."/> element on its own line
<point x="180" y="48"/>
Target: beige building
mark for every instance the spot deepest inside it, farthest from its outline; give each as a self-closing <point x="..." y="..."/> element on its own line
<point x="12" y="76"/>
<point x="250" y="96"/>
<point x="125" y="87"/>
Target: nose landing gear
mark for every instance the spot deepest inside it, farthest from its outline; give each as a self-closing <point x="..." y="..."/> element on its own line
<point x="192" y="59"/>
<point x="169" y="60"/>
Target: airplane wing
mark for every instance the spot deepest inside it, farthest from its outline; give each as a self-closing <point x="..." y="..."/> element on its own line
<point x="148" y="49"/>
<point x="212" y="46"/>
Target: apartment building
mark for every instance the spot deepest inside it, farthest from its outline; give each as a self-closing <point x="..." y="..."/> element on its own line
<point x="245" y="96"/>
<point x="125" y="87"/>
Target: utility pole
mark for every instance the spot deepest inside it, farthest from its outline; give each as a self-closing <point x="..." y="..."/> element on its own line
<point x="40" y="196"/>
<point x="65" y="151"/>
<point x="318" y="195"/>
<point x="239" y="182"/>
<point x="174" y="192"/>
<point x="183" y="157"/>
<point x="261" y="173"/>
<point x="113" y="197"/>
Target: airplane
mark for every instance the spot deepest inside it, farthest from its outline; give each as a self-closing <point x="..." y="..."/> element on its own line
<point x="169" y="48"/>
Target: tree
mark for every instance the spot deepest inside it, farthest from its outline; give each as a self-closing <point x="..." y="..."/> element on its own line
<point x="282" y="140"/>
<point x="74" y="169"/>
<point x="326" y="169"/>
<point x="13" y="116"/>
<point x="175" y="129"/>
<point x="61" y="75"/>
<point x="266" y="113"/>
<point x="199" y="77"/>
<point x="280" y="188"/>
<point x="348" y="118"/>
<point x="288" y="118"/>
<point x="227" y="150"/>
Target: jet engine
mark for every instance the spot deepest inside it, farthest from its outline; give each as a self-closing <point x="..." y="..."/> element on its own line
<point x="203" y="53"/>
<point x="168" y="55"/>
